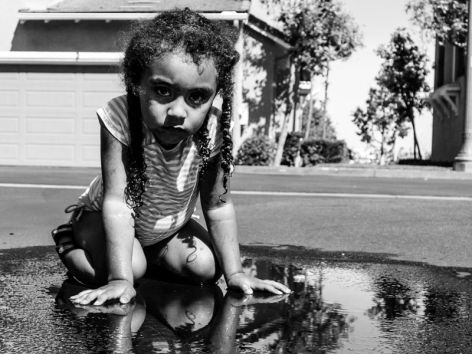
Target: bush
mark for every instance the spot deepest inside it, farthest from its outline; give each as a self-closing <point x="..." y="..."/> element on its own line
<point x="316" y="151"/>
<point x="291" y="148"/>
<point x="256" y="151"/>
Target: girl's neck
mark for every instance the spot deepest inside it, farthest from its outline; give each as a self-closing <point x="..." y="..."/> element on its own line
<point x="167" y="148"/>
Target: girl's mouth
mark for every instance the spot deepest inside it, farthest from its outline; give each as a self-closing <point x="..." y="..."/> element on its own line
<point x="171" y="121"/>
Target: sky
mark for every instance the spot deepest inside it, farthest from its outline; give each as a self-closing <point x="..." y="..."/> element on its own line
<point x="350" y="80"/>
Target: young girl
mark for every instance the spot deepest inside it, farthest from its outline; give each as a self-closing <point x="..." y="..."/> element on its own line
<point x="162" y="144"/>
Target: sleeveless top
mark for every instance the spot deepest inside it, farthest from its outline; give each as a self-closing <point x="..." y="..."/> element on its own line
<point x="172" y="191"/>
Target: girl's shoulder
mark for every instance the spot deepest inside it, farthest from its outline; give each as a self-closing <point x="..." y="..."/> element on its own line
<point x="114" y="116"/>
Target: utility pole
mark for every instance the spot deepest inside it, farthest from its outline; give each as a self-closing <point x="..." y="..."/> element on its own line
<point x="463" y="161"/>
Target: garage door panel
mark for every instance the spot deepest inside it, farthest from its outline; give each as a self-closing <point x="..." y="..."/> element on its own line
<point x="98" y="99"/>
<point x="10" y="82"/>
<point x="10" y="76"/>
<point x="53" y="152"/>
<point x="9" y="125"/>
<point x="90" y="126"/>
<point x="49" y="112"/>
<point x="10" y="112"/>
<point x="88" y="113"/>
<point x="49" y="125"/>
<point x="51" y="139"/>
<point x="50" y="99"/>
<point x="90" y="153"/>
<point x="9" y="138"/>
<point x="51" y="86"/>
<point x="9" y="152"/>
<point x="10" y="98"/>
<point x="49" y="77"/>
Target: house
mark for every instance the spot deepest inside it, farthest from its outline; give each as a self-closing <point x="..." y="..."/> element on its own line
<point x="448" y="127"/>
<point x="63" y="63"/>
<point x="452" y="124"/>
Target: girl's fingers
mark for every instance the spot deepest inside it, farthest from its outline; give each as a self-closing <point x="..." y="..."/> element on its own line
<point x="273" y="287"/>
<point x="87" y="299"/>
<point x="270" y="288"/>
<point x="105" y="295"/>
<point x="127" y="296"/>
<point x="82" y="293"/>
<point x="279" y="286"/>
<point x="246" y="289"/>
<point x="100" y="300"/>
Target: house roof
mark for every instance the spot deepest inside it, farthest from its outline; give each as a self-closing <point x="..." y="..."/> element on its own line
<point x="109" y="6"/>
<point x="77" y="10"/>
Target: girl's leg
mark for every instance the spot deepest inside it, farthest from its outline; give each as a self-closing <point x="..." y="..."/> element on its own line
<point x="185" y="257"/>
<point x="86" y="261"/>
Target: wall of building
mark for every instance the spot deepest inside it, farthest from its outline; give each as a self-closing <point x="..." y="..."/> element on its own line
<point x="70" y="36"/>
<point x="261" y="111"/>
<point x="448" y="128"/>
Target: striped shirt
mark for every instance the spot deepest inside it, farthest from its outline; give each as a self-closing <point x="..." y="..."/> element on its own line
<point x="171" y="194"/>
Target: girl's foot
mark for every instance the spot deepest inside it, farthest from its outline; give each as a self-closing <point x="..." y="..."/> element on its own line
<point x="64" y="239"/>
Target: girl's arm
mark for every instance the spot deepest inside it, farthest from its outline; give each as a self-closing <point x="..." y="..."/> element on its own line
<point x="220" y="218"/>
<point x="118" y="226"/>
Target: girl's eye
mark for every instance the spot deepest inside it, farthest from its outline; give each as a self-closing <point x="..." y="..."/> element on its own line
<point x="163" y="91"/>
<point x="197" y="98"/>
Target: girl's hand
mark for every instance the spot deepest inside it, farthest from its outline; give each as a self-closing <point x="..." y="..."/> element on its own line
<point x="248" y="284"/>
<point x="122" y="290"/>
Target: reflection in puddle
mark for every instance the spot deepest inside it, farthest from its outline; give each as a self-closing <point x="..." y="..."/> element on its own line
<point x="335" y="307"/>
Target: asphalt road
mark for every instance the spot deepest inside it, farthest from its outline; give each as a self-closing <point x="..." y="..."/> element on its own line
<point x="414" y="219"/>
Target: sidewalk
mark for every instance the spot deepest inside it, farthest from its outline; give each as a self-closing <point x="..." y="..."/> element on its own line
<point x="43" y="174"/>
<point x="394" y="171"/>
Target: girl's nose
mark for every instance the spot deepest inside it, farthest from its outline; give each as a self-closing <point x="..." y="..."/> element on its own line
<point x="177" y="108"/>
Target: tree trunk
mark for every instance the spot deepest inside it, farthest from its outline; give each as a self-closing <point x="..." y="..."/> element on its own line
<point x="295" y="99"/>
<point x="289" y="109"/>
<point x="416" y="145"/>
<point x="382" y="147"/>
<point x="325" y="102"/>
<point x="310" y="107"/>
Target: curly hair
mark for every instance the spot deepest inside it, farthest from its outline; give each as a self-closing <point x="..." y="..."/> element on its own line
<point x="201" y="39"/>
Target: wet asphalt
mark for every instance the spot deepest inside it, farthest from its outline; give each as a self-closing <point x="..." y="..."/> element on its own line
<point x="377" y="265"/>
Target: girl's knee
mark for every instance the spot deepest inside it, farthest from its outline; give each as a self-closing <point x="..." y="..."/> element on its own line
<point x="201" y="265"/>
<point x="188" y="257"/>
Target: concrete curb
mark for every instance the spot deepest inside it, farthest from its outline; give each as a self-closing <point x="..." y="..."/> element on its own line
<point x="423" y="172"/>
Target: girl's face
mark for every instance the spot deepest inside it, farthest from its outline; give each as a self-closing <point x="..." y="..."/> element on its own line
<point x="176" y="95"/>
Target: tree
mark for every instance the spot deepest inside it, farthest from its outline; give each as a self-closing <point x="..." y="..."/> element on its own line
<point x="319" y="32"/>
<point x="403" y="74"/>
<point x="320" y="123"/>
<point x="445" y="19"/>
<point x="379" y="124"/>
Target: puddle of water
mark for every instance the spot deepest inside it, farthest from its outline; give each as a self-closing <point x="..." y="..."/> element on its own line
<point x="336" y="307"/>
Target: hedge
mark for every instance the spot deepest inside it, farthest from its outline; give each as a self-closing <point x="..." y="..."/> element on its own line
<point x="316" y="151"/>
<point x="256" y="151"/>
<point x="260" y="151"/>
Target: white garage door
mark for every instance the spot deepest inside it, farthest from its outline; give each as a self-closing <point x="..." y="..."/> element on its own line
<point x="47" y="114"/>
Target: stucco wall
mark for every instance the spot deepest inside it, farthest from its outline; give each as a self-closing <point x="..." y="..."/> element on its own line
<point x="263" y="111"/>
<point x="86" y="36"/>
<point x="447" y="135"/>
